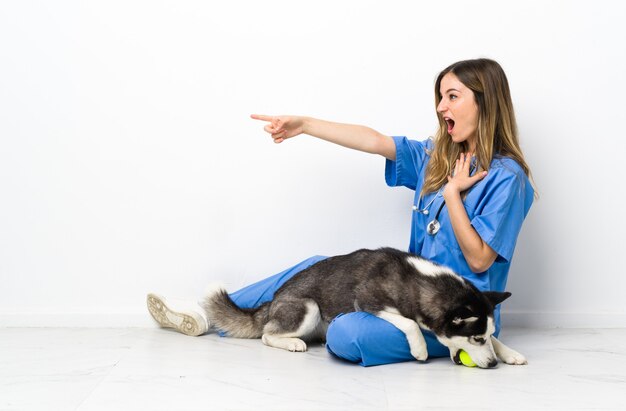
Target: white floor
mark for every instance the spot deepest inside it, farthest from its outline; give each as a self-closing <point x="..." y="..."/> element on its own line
<point x="157" y="369"/>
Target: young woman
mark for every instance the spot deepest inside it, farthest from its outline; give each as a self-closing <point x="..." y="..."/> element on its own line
<point x="472" y="193"/>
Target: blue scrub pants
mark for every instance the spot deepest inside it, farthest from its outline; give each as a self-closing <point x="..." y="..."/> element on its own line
<point x="358" y="337"/>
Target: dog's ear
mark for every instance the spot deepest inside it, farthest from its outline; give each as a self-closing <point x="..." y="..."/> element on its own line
<point x="496" y="297"/>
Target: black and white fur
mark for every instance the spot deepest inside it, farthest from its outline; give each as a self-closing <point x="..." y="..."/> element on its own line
<point x="408" y="291"/>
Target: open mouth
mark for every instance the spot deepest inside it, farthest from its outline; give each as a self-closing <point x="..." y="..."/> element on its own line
<point x="450" y="123"/>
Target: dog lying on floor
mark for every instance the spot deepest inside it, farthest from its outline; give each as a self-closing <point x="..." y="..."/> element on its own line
<point x="408" y="291"/>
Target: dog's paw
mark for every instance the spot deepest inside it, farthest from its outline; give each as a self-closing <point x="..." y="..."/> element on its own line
<point x="512" y="357"/>
<point x="420" y="353"/>
<point x="286" y="343"/>
<point x="296" y="345"/>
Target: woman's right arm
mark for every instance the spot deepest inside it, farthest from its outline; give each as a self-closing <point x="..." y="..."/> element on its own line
<point x="347" y="135"/>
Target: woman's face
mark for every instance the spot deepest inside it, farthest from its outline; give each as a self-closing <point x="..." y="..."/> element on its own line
<point x="459" y="110"/>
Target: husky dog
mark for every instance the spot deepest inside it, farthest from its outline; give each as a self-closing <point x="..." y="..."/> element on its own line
<point x="408" y="291"/>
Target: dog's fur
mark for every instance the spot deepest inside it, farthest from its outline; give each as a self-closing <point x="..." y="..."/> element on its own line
<point x="408" y="291"/>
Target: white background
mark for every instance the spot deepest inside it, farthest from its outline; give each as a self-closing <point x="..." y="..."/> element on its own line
<point x="129" y="164"/>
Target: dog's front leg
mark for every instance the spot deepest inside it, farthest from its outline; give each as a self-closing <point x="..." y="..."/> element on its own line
<point x="506" y="354"/>
<point x="414" y="336"/>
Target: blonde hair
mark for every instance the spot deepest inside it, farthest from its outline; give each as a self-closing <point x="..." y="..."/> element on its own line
<point x="497" y="129"/>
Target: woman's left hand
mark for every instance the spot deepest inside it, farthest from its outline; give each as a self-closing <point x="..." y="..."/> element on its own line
<point x="461" y="179"/>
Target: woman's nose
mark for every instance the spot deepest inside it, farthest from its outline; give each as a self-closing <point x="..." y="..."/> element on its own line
<point x="442" y="106"/>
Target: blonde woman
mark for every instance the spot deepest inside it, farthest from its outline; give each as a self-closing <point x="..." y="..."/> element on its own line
<point x="472" y="194"/>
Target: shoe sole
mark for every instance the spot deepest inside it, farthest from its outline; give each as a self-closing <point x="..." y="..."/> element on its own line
<point x="183" y="322"/>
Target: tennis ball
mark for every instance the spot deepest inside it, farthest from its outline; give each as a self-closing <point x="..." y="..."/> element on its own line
<point x="466" y="360"/>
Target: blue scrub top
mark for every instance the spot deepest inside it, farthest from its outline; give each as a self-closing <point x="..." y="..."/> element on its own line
<point x="496" y="206"/>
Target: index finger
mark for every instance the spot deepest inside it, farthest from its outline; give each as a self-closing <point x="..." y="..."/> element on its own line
<point x="467" y="159"/>
<point x="261" y="117"/>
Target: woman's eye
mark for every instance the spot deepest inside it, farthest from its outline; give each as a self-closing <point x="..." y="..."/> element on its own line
<point x="452" y="97"/>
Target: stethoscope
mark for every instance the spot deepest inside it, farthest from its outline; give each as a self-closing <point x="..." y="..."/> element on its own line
<point x="434" y="225"/>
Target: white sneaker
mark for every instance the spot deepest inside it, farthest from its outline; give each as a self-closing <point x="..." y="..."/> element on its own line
<point x="183" y="316"/>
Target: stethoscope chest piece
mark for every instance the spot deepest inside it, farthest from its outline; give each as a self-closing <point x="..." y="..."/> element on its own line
<point x="433" y="227"/>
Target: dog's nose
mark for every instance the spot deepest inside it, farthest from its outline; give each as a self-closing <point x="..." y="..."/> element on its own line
<point x="492" y="363"/>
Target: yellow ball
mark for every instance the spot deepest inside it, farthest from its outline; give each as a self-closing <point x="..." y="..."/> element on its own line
<point x="466" y="360"/>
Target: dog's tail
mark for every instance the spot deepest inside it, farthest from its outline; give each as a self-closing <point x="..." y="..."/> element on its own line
<point x="227" y="317"/>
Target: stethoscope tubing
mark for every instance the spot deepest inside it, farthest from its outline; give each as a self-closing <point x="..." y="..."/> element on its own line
<point x="433" y="225"/>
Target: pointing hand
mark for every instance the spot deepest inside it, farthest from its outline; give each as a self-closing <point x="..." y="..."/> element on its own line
<point x="281" y="127"/>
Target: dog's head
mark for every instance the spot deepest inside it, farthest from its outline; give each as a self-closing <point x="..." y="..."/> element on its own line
<point x="469" y="326"/>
